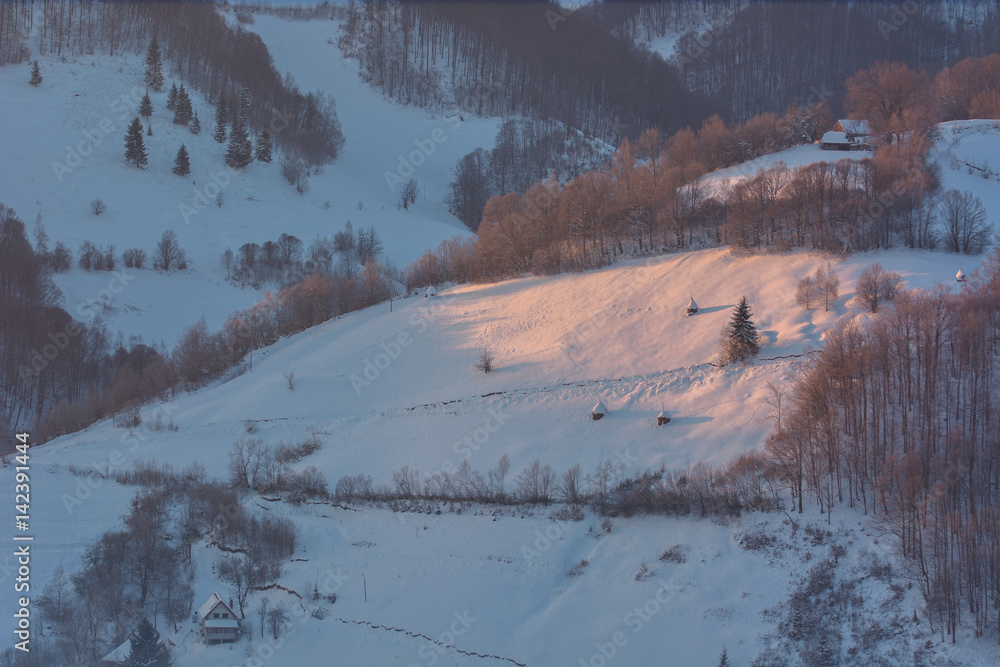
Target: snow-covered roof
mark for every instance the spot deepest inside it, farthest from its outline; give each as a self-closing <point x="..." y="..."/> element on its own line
<point x="600" y="408"/>
<point x="121" y="653"/>
<point x="221" y="623"/>
<point x="834" y="137"/>
<point x="854" y="126"/>
<point x="209" y="605"/>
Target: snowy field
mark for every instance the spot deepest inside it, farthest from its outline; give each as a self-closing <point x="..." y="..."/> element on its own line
<point x="63" y="148"/>
<point x="562" y="343"/>
<point x="385" y="389"/>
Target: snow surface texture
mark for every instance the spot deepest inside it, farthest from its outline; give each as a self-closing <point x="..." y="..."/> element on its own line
<point x="493" y="583"/>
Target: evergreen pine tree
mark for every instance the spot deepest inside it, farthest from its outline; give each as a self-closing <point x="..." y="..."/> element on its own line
<point x="195" y="124"/>
<point x="741" y="339"/>
<point x="182" y="163"/>
<point x="41" y="238"/>
<point x="146" y="106"/>
<point x="145" y="646"/>
<point x="36" y="75"/>
<point x="240" y="151"/>
<point x="724" y="658"/>
<point x="220" y="120"/>
<point x="264" y="146"/>
<point x="172" y="98"/>
<point x="182" y="107"/>
<point x="154" y="66"/>
<point x="135" y="150"/>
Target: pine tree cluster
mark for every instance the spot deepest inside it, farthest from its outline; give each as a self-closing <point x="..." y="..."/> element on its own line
<point x="183" y="113"/>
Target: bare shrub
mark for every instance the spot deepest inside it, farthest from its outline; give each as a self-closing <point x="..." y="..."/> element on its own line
<point x="579" y="568"/>
<point x="310" y="483"/>
<point x="98" y="206"/>
<point x="570" y="513"/>
<point x="644" y="572"/>
<point x="134" y="258"/>
<point x="350" y="487"/>
<point x="291" y="453"/>
<point x="674" y="554"/>
<point x="485" y="363"/>
<point x="290" y="380"/>
<point x="130" y="418"/>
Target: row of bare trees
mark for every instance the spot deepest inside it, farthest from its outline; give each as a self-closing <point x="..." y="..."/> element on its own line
<point x="898" y="416"/>
<point x="702" y="489"/>
<point x="652" y="198"/>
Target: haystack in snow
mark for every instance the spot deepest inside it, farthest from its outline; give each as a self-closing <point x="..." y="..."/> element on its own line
<point x="599" y="411"/>
<point x="431" y="291"/>
<point x="960" y="276"/>
<point x="692" y="307"/>
<point x="662" y="419"/>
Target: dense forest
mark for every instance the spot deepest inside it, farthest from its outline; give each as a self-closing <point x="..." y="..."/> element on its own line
<point x="898" y="417"/>
<point x="527" y="59"/>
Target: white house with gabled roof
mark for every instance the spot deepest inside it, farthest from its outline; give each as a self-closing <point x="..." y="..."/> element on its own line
<point x="219" y="623"/>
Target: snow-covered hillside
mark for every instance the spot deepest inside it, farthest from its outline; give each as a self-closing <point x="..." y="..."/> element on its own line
<point x="385" y="389"/>
<point x="63" y="148"/>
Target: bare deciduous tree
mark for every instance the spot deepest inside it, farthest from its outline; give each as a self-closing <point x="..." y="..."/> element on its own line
<point x="966" y="227"/>
<point x="877" y="286"/>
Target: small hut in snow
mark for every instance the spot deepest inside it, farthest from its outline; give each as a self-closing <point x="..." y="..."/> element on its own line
<point x="662" y="418"/>
<point x="599" y="411"/>
<point x="431" y="291"/>
<point x="960" y="276"/>
<point x="692" y="308"/>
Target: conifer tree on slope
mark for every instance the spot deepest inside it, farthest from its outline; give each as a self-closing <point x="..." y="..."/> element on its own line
<point x="154" y="66"/>
<point x="135" y="150"/>
<point x="264" y="146"/>
<point x="240" y="152"/>
<point x="36" y="75"/>
<point x="741" y="340"/>
<point x="146" y="106"/>
<point x="195" y="124"/>
<point x="182" y="163"/>
<point x="145" y="646"/>
<point x="172" y="98"/>
<point x="221" y="111"/>
<point x="182" y="107"/>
